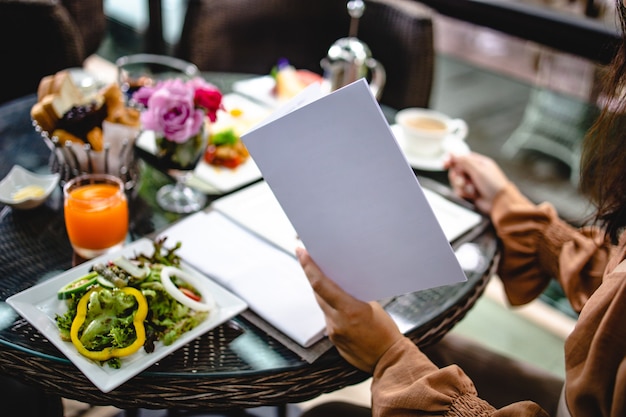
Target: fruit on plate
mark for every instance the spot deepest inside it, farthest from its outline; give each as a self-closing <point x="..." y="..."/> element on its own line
<point x="290" y="81"/>
<point x="63" y="111"/>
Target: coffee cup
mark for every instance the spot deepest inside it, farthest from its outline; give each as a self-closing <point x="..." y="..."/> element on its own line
<point x="426" y="130"/>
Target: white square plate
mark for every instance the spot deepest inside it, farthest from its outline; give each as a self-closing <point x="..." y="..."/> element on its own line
<point x="39" y="305"/>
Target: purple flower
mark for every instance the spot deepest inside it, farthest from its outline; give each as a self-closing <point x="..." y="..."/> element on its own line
<point x="142" y="95"/>
<point x="171" y="110"/>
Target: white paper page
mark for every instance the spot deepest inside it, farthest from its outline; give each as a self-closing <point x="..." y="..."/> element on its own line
<point x="345" y="185"/>
<point x="454" y="219"/>
<point x="270" y="281"/>
<point x="257" y="209"/>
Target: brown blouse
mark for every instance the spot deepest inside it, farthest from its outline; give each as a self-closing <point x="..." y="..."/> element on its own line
<point x="537" y="246"/>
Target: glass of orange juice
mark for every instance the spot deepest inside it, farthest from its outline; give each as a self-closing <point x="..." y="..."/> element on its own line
<point x="96" y="214"/>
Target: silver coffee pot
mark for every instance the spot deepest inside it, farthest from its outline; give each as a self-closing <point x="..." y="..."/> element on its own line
<point x="350" y="59"/>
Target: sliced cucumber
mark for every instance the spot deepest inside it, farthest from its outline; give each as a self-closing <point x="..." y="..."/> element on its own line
<point x="104" y="282"/>
<point x="135" y="271"/>
<point x="77" y="286"/>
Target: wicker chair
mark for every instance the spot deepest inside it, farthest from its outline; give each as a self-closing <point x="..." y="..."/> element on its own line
<point x="250" y="36"/>
<point x="41" y="37"/>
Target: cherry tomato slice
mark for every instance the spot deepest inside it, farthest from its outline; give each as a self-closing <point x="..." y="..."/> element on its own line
<point x="232" y="162"/>
<point x="190" y="294"/>
<point x="209" y="154"/>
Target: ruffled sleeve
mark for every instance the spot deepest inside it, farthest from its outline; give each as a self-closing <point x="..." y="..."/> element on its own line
<point x="406" y="382"/>
<point x="538" y="246"/>
<point x="595" y="351"/>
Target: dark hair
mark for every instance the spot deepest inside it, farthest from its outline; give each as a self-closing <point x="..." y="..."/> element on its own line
<point x="603" y="161"/>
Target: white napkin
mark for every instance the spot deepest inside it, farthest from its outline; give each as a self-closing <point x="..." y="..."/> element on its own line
<point x="269" y="280"/>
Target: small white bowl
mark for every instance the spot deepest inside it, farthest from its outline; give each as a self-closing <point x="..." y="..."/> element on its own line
<point x="19" y="178"/>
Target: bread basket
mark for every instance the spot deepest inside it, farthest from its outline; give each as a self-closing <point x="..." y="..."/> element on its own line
<point x="86" y="131"/>
<point x="117" y="157"/>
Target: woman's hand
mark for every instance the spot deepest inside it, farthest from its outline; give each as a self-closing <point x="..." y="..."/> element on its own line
<point x="361" y="331"/>
<point x="476" y="178"/>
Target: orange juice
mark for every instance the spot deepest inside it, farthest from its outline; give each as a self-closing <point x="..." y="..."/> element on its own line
<point x="96" y="214"/>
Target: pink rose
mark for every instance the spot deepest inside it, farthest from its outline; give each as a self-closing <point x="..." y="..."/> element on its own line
<point x="197" y="83"/>
<point x="171" y="111"/>
<point x="142" y="95"/>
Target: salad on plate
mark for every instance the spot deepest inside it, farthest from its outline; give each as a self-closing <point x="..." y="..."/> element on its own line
<point x="128" y="304"/>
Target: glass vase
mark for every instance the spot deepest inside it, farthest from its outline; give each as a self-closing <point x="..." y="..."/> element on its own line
<point x="179" y="160"/>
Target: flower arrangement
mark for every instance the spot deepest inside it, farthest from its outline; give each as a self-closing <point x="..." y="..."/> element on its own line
<point x="177" y="112"/>
<point x="177" y="109"/>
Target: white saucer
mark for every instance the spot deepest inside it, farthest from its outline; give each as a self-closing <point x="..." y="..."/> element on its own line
<point x="432" y="163"/>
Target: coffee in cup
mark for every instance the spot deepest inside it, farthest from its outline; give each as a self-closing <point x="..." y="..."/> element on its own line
<point x="426" y="130"/>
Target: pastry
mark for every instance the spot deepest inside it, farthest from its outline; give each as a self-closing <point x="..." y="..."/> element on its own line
<point x="81" y="118"/>
<point x="61" y="108"/>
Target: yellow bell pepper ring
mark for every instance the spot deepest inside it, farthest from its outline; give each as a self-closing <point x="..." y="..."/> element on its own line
<point x="108" y="353"/>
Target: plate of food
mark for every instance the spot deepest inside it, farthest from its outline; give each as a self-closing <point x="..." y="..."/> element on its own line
<point x="282" y="84"/>
<point x="120" y="313"/>
<point x="226" y="164"/>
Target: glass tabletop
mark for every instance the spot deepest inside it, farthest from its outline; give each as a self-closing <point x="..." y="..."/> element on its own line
<point x="34" y="247"/>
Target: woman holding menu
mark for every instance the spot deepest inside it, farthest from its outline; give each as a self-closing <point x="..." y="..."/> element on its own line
<point x="589" y="263"/>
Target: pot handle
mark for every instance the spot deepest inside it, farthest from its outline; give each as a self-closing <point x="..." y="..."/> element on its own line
<point x="379" y="77"/>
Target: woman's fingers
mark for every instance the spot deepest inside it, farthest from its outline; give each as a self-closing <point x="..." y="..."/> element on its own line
<point x="361" y="331"/>
<point x="476" y="178"/>
<point x="332" y="294"/>
<point x="461" y="185"/>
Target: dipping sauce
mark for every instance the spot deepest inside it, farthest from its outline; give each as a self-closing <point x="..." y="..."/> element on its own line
<point x="28" y="192"/>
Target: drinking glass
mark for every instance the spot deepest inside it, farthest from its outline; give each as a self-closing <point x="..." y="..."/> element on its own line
<point x="96" y="214"/>
<point x="139" y="70"/>
<point x="179" y="160"/>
